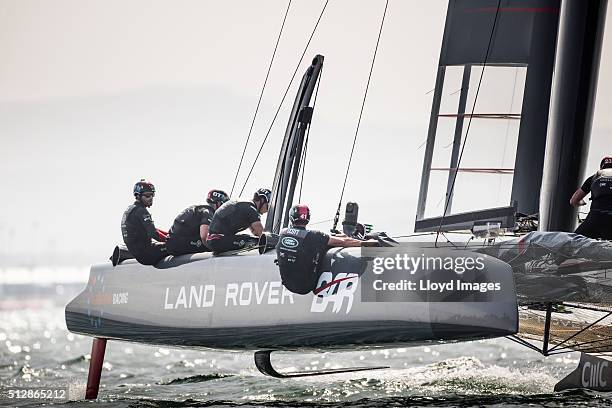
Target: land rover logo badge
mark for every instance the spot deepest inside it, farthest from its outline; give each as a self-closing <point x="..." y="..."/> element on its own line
<point x="289" y="242"/>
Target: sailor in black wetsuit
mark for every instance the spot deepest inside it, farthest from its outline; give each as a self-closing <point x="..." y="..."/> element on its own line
<point x="598" y="223"/>
<point x="235" y="216"/>
<point x="189" y="232"/>
<point x="138" y="229"/>
<point x="299" y="251"/>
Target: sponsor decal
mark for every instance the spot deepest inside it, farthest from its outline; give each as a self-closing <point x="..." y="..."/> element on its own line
<point x="234" y="294"/>
<point x="120" y="298"/>
<point x="334" y="290"/>
<point x="290" y="242"/>
<point x="593" y="374"/>
<point x="96" y="299"/>
<point x="188" y="297"/>
<point x="330" y="284"/>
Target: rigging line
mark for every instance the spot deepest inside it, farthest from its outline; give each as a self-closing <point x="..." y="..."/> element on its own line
<point x="303" y="162"/>
<point x="456" y="92"/>
<point x="284" y="96"/>
<point x="263" y="88"/>
<point x="449" y="241"/>
<point x="522" y="342"/>
<point x="468" y="242"/>
<point x="580" y="331"/>
<point x="448" y="145"/>
<point x="320" y="222"/>
<point x="365" y="95"/>
<point x="467" y="132"/>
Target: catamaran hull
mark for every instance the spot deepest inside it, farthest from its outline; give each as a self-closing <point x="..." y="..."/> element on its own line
<point x="238" y="302"/>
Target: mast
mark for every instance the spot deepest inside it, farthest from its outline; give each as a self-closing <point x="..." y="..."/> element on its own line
<point x="571" y="117"/>
<point x="529" y="160"/>
<point x="287" y="168"/>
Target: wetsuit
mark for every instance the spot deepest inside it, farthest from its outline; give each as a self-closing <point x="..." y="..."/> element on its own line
<point x="229" y="219"/>
<point x="184" y="236"/>
<point x="598" y="223"/>
<point x="138" y="229"/>
<point x="298" y="254"/>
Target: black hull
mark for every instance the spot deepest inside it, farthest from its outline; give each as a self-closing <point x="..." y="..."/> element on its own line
<point x="338" y="335"/>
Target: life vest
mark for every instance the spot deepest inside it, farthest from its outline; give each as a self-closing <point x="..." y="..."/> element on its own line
<point x="290" y="249"/>
<point x="297" y="259"/>
<point x="601" y="186"/>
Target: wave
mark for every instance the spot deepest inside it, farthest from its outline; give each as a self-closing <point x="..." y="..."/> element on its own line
<point x="195" y="379"/>
<point x="451" y="377"/>
<point x="75" y="360"/>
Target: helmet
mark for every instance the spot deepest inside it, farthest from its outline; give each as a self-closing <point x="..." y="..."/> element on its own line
<point x="216" y="197"/>
<point x="263" y="193"/>
<point x="143" y="186"/>
<point x="299" y="214"/>
<point x="606" y="163"/>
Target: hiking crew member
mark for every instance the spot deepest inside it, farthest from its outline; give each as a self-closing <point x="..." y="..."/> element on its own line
<point x="190" y="228"/>
<point x="299" y="251"/>
<point x="138" y="229"/>
<point x="598" y="223"/>
<point x="235" y="216"/>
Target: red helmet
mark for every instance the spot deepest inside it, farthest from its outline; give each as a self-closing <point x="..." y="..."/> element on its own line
<point x="606" y="163"/>
<point x="299" y="214"/>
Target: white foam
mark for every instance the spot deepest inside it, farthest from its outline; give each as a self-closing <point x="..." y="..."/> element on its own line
<point x="463" y="375"/>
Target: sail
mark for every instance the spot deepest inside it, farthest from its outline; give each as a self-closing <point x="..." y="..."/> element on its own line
<point x="515" y="44"/>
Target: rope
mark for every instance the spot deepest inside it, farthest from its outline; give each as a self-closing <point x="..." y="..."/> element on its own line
<point x="348" y="167"/>
<point x="284" y="96"/>
<point x="303" y="161"/>
<point x="320" y="222"/>
<point x="467" y="132"/>
<point x="260" y="97"/>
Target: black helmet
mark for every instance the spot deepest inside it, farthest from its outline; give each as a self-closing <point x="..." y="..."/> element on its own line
<point x="299" y="214"/>
<point x="263" y="193"/>
<point x="606" y="163"/>
<point x="143" y="186"/>
<point x="216" y="197"/>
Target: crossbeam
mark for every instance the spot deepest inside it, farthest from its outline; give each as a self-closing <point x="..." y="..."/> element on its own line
<point x="514" y="116"/>
<point x="485" y="170"/>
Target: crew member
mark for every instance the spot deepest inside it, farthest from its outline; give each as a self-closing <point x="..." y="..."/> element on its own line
<point x="190" y="228"/>
<point x="598" y="223"/>
<point x="235" y="216"/>
<point x="299" y="251"/>
<point x="138" y="229"/>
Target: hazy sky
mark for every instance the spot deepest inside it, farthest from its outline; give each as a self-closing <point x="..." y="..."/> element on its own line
<point x="95" y="95"/>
